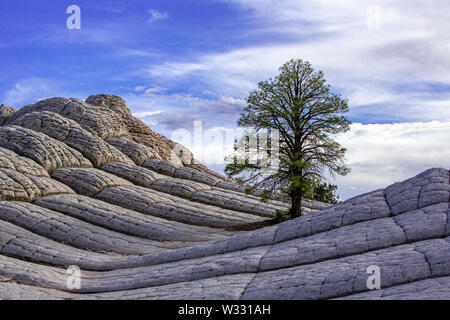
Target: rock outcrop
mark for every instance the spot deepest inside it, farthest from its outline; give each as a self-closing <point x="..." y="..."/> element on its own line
<point x="84" y="183"/>
<point x="5" y="113"/>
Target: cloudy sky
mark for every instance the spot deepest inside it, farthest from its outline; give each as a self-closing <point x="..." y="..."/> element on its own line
<point x="181" y="63"/>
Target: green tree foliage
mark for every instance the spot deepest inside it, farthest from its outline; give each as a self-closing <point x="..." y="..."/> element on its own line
<point x="300" y="107"/>
<point x="321" y="191"/>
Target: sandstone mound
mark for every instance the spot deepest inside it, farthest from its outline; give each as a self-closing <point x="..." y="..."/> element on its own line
<point x="5" y="113"/>
<point x="85" y="183"/>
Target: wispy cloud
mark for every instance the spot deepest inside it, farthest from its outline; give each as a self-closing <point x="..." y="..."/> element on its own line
<point x="116" y="6"/>
<point x="32" y="90"/>
<point x="169" y="111"/>
<point x="145" y="114"/>
<point x="154" y="90"/>
<point x="29" y="91"/>
<point x="127" y="52"/>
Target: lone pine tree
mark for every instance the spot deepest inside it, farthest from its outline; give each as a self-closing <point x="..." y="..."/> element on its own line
<point x="301" y="107"/>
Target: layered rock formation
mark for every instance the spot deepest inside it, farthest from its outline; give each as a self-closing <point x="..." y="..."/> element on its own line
<point x="84" y="183"/>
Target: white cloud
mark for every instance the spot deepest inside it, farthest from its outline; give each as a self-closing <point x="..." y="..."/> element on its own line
<point x="156" y="15"/>
<point x="146" y="113"/>
<point x="30" y="91"/>
<point x="154" y="90"/>
<point x="171" y="69"/>
<point x="381" y="154"/>
<point x="207" y="92"/>
<point x="125" y="52"/>
<point x="235" y="101"/>
<point x="139" y="88"/>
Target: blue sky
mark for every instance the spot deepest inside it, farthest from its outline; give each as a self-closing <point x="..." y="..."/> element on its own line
<point x="176" y="62"/>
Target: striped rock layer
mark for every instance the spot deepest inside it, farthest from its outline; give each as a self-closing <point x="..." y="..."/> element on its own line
<point x="95" y="205"/>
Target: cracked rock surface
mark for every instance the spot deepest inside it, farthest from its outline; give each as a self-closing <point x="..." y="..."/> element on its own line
<point x="86" y="183"/>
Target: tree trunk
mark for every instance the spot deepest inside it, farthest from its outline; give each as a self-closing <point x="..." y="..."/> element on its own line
<point x="296" y="205"/>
